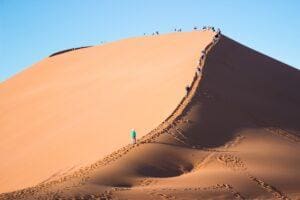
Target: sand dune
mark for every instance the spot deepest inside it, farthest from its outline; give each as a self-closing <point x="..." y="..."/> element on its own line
<point x="72" y="109"/>
<point x="236" y="135"/>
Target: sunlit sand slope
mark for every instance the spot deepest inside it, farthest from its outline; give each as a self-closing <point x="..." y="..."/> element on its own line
<point x="72" y="109"/>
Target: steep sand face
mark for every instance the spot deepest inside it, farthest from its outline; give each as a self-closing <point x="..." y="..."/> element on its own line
<point x="72" y="109"/>
<point x="235" y="136"/>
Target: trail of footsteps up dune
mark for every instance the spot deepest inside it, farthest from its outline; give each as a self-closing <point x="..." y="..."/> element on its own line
<point x="170" y="193"/>
<point x="235" y="163"/>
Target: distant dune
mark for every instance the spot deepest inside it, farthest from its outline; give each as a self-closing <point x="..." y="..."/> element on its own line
<point x="65" y="123"/>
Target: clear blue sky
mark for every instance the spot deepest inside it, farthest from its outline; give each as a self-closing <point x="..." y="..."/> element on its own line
<point x="32" y="29"/>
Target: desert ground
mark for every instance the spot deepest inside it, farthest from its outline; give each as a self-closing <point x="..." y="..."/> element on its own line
<point x="65" y="122"/>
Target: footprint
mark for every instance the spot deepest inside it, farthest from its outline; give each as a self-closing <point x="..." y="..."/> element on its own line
<point x="276" y="192"/>
<point x="146" y="182"/>
<point x="231" y="161"/>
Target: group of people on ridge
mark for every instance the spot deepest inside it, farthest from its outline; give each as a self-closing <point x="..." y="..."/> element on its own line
<point x="203" y="53"/>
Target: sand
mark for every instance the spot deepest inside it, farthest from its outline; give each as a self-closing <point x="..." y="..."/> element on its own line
<point x="236" y="134"/>
<point x="74" y="108"/>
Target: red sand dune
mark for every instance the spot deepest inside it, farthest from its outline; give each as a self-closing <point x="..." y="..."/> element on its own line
<point x="74" y="108"/>
<point x="235" y="136"/>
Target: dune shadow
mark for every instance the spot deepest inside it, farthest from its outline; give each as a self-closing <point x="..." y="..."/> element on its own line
<point x="240" y="89"/>
<point x="159" y="171"/>
<point x="67" y="50"/>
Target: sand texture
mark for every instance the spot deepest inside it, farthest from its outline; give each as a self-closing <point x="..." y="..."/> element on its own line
<point x="65" y="123"/>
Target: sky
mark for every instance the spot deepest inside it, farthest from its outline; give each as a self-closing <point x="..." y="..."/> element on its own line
<point x="31" y="30"/>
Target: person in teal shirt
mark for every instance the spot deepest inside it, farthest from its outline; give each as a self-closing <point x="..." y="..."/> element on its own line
<point x="133" y="136"/>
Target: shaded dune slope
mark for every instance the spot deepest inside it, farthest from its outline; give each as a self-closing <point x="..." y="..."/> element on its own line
<point x="240" y="89"/>
<point x="235" y="136"/>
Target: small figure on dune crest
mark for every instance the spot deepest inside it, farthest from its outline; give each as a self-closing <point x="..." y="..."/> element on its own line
<point x="198" y="71"/>
<point x="187" y="89"/>
<point x="217" y="35"/>
<point x="202" y="55"/>
<point x="133" y="136"/>
<point x="209" y="28"/>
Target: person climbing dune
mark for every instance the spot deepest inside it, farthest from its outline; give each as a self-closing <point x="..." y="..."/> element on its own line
<point x="198" y="71"/>
<point x="133" y="136"/>
<point x="187" y="89"/>
<point x="202" y="56"/>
